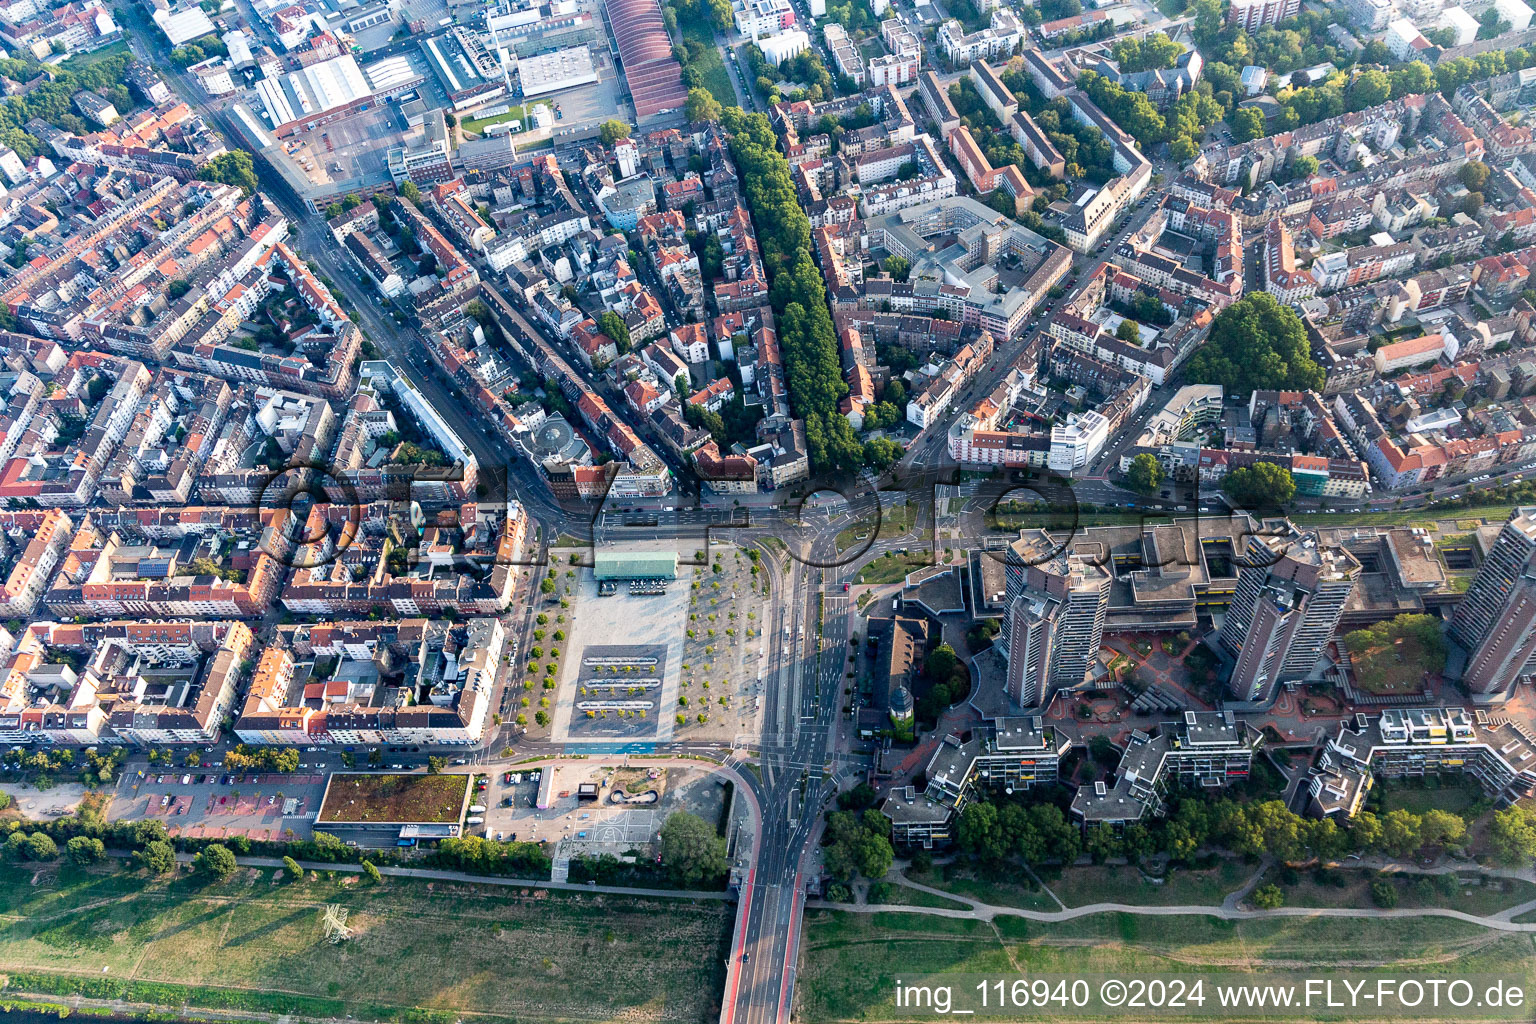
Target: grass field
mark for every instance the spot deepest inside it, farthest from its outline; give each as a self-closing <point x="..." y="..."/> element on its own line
<point x="1402" y="517"/>
<point x="1079" y="887"/>
<point x="385" y="798"/>
<point x="1455" y="793"/>
<point x="710" y="64"/>
<point x="1494" y="895"/>
<point x="480" y="124"/>
<point x="1396" y="668"/>
<point x="484" y="952"/>
<point x="850" y="962"/>
<point x="891" y="894"/>
<point x="889" y="568"/>
<point x="894" y="522"/>
<point x="1002" y="892"/>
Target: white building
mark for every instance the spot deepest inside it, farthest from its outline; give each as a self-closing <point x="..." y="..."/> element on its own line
<point x="1515" y="12"/>
<point x="1404" y="40"/>
<point x="184" y="26"/>
<point x="1078" y="441"/>
<point x="784" y="45"/>
<point x="213" y="75"/>
<point x="758" y="18"/>
<point x="1460" y="22"/>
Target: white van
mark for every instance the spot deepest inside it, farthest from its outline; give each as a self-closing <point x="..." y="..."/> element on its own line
<point x="477" y="809"/>
<point x="474" y="821"/>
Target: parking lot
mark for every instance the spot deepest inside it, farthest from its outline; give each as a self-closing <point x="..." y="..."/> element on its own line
<point x="630" y="806"/>
<point x="213" y="804"/>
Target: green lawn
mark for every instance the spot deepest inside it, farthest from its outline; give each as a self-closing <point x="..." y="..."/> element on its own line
<point x="1002" y="892"/>
<point x="418" y="951"/>
<point x="888" y="568"/>
<point x="1492" y="896"/>
<point x="710" y="64"/>
<point x="850" y="962"/>
<point x="1401" y="517"/>
<point x="85" y="60"/>
<point x="1455" y="794"/>
<point x="894" y="522"/>
<point x="904" y="896"/>
<point x="480" y="124"/>
<point x="1080" y="886"/>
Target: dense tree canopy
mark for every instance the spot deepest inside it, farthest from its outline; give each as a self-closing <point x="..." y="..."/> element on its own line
<point x="691" y="850"/>
<point x="812" y="369"/>
<point x="1145" y="474"/>
<point x="1262" y="485"/>
<point x="1256" y="343"/>
<point x="1146" y="54"/>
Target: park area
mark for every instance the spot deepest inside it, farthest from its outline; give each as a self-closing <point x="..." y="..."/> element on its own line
<point x="1392" y="657"/>
<point x="850" y="962"/>
<point x="256" y="943"/>
<point x="422" y="799"/>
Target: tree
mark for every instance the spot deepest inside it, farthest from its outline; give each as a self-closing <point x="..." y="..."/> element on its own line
<point x="1474" y="174"/>
<point x="1145" y="474"/>
<point x="701" y="106"/>
<point x="857" y="844"/>
<point x="1383" y="893"/>
<point x="612" y="131"/>
<point x="40" y="846"/>
<point x="1268" y="897"/>
<point x="941" y="663"/>
<point x="1247" y="124"/>
<point x="85" y="849"/>
<point x="691" y="849"/>
<point x="1400" y="833"/>
<point x="435" y="765"/>
<point x="881" y="453"/>
<point x="1129" y="331"/>
<point x="157" y="857"/>
<point x="1303" y="167"/>
<point x="899" y="267"/>
<point x="1441" y="828"/>
<point x="217" y="860"/>
<point x="979" y="834"/>
<point x="372" y="872"/>
<point x="1512" y="835"/>
<point x="611" y="324"/>
<point x="291" y="867"/>
<point x="1256" y="343"/>
<point x="1370" y="88"/>
<point x="1183" y="148"/>
<point x="234" y="168"/>
<point x="409" y="192"/>
<point x="1472" y="205"/>
<point x="1148" y="54"/>
<point x="1260" y="486"/>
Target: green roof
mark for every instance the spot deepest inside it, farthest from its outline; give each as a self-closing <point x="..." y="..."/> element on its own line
<point x="629" y="565"/>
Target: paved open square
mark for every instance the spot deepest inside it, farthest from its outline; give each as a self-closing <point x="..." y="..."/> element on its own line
<point x="620" y="680"/>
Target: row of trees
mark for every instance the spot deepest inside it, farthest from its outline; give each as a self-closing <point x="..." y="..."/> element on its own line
<point x="489" y="857"/>
<point x="812" y="369"/>
<point x="245" y="758"/>
<point x="1039" y="833"/>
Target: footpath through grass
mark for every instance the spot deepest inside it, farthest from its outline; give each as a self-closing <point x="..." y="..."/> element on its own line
<point x="850" y="962"/>
<point x="419" y="951"/>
